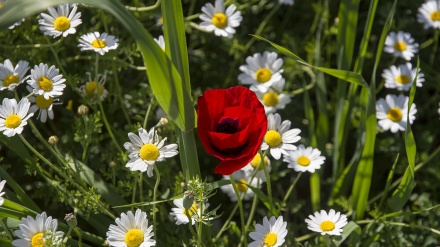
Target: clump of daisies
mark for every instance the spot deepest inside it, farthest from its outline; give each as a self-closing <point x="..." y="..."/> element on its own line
<point x="401" y="44"/>
<point x="41" y="231"/>
<point x="402" y="77"/>
<point x="392" y="112"/>
<point x="10" y="76"/>
<point x="146" y="149"/>
<point x="216" y="19"/>
<point x="131" y="230"/>
<point x="305" y="159"/>
<point x="100" y="43"/>
<point x="60" y="21"/>
<point x="261" y="71"/>
<point x="429" y="14"/>
<point x="13" y="116"/>
<point x="279" y="137"/>
<point x="330" y="223"/>
<point x="272" y="233"/>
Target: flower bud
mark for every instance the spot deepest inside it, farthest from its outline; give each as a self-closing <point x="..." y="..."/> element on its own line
<point x="83" y="110"/>
<point x="71" y="220"/>
<point x="163" y="121"/>
<point x="53" y="140"/>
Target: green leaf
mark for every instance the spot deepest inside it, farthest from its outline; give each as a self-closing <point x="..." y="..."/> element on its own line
<point x="341" y="74"/>
<point x="163" y="76"/>
<point x="403" y="192"/>
<point x="362" y="180"/>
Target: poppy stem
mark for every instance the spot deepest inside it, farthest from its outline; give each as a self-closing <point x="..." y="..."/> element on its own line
<point x="269" y="186"/>
<point x="240" y="206"/>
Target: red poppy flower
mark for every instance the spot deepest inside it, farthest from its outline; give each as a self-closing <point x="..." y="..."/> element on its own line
<point x="231" y="125"/>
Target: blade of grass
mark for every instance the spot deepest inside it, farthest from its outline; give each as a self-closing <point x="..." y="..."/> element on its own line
<point x="403" y="192"/>
<point x="362" y="180"/>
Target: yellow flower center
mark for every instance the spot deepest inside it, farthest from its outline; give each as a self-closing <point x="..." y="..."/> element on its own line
<point x="99" y="43"/>
<point x="327" y="226"/>
<point x="149" y="152"/>
<point x="12" y="121"/>
<point x="91" y="89"/>
<point x="134" y="238"/>
<point x="10" y="79"/>
<point x="42" y="102"/>
<point x="435" y="16"/>
<point x="272" y="138"/>
<point x="255" y="162"/>
<point x="270" y="239"/>
<point x="45" y="83"/>
<point x="303" y="161"/>
<point x="61" y="23"/>
<point x="220" y="20"/>
<point x="37" y="240"/>
<point x="400" y="46"/>
<point x="191" y="211"/>
<point x="270" y="99"/>
<point x="242" y="186"/>
<point x="394" y="114"/>
<point x="403" y="79"/>
<point x="263" y="75"/>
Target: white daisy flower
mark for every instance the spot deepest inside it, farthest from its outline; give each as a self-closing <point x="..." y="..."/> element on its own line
<point x="2" y="185"/>
<point x="242" y="180"/>
<point x="261" y="70"/>
<point x="401" y="44"/>
<point x="131" y="230"/>
<point x="215" y="18"/>
<point x="146" y="149"/>
<point x="279" y="136"/>
<point x="331" y="223"/>
<point x="44" y="106"/>
<point x="37" y="232"/>
<point x="392" y="112"/>
<point x="13" y="116"/>
<point x="305" y="159"/>
<point x="46" y="81"/>
<point x="286" y="2"/>
<point x="11" y="77"/>
<point x="61" y="21"/>
<point x="161" y="42"/>
<point x="273" y="99"/>
<point x="402" y="77"/>
<point x="255" y="165"/>
<point x="429" y="14"/>
<point x="181" y="214"/>
<point x="94" y="88"/>
<point x="100" y="43"/>
<point x="270" y="234"/>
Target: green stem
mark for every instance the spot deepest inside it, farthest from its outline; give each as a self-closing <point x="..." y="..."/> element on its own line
<point x="108" y="127"/>
<point x="251" y="214"/>
<point x="154" y="197"/>
<point x="57" y="59"/>
<point x="79" y="236"/>
<point x="133" y="196"/>
<point x="2" y="224"/>
<point x="66" y="237"/>
<point x="434" y="47"/>
<point x="268" y="183"/>
<point x="147" y="115"/>
<point x="119" y="93"/>
<point x="32" y="46"/>
<point x="240" y="206"/>
<point x="143" y="9"/>
<point x="289" y="191"/>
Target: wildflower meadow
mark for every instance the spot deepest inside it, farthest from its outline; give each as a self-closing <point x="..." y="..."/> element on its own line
<point x="253" y="123"/>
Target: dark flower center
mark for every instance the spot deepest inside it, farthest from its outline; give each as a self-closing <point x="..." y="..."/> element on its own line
<point x="227" y="125"/>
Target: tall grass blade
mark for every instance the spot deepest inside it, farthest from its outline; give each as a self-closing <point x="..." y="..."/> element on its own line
<point x="362" y="180"/>
<point x="403" y="192"/>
